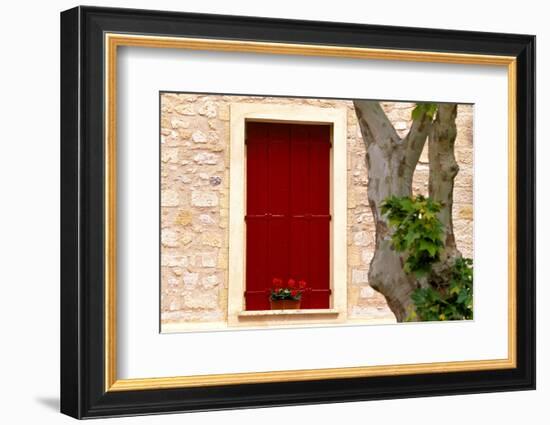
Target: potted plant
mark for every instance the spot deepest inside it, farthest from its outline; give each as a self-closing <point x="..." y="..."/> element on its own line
<point x="286" y="296"/>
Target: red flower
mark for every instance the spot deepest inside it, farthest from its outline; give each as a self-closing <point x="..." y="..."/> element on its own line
<point x="294" y="292"/>
<point x="292" y="283"/>
<point x="302" y="284"/>
<point x="276" y="285"/>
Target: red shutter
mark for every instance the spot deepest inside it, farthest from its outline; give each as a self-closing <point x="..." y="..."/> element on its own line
<point x="287" y="210"/>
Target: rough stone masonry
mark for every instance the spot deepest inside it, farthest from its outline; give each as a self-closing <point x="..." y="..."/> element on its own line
<point x="195" y="203"/>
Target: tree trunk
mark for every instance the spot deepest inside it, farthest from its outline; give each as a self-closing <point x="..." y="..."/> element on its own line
<point x="443" y="170"/>
<point x="391" y="162"/>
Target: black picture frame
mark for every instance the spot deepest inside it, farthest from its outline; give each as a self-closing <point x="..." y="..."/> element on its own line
<point x="83" y="392"/>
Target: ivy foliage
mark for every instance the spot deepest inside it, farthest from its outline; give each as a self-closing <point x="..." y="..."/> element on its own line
<point x="452" y="302"/>
<point x="418" y="232"/>
<point x="428" y="108"/>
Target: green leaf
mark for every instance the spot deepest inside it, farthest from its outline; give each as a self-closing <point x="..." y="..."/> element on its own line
<point x="426" y="245"/>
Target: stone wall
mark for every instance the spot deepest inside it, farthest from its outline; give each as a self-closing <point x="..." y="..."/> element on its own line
<point x="195" y="203"/>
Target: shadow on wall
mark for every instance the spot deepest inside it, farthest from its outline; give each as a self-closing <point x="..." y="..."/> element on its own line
<point x="49" y="402"/>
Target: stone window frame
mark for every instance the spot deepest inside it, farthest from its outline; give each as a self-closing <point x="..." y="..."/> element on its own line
<point x="240" y="113"/>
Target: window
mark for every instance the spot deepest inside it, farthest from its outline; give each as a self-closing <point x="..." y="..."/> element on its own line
<point x="287" y="210"/>
<point x="285" y="218"/>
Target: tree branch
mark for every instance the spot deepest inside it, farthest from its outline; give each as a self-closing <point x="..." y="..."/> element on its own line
<point x="443" y="167"/>
<point x="374" y="124"/>
<point x="416" y="139"/>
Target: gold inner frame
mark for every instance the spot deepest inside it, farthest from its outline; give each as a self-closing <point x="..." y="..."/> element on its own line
<point x="113" y="41"/>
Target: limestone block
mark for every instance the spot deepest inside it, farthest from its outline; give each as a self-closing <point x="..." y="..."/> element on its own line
<point x="190" y="278"/>
<point x="367" y="292"/>
<point x="206" y="259"/>
<point x="359" y="276"/>
<point x="169" y="238"/>
<point x="184" y="134"/>
<point x="206" y="219"/>
<point x="200" y="298"/>
<point x="185" y="109"/>
<point x="215" y="180"/>
<point x="199" y="137"/>
<point x="209" y="110"/>
<point x="401" y="125"/>
<point x="169" y="198"/>
<point x="204" y="199"/>
<point x="211" y="280"/>
<point x="206" y="158"/>
<point x="223" y="261"/>
<point x="184" y="217"/>
<point x="223" y="112"/>
<point x="212" y="239"/>
<point x="367" y="253"/>
<point x="186" y="239"/>
<point x="178" y="123"/>
<point x="466" y="212"/>
<point x="173" y="260"/>
<point x="173" y="281"/>
<point x="354" y="257"/>
<point x="362" y="238"/>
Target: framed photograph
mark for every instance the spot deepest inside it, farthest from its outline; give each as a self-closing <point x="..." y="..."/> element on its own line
<point x="262" y="212"/>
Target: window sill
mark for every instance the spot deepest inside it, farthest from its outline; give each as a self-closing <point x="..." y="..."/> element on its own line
<point x="302" y="312"/>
